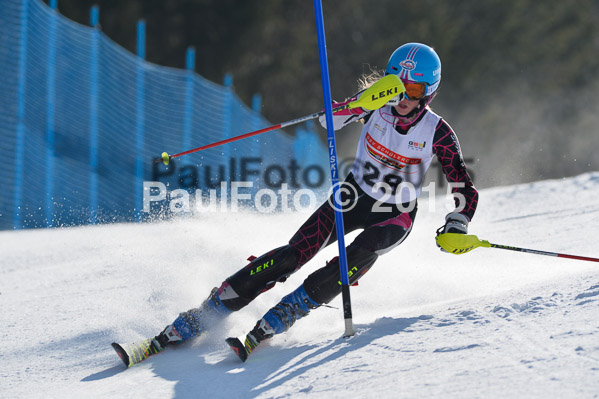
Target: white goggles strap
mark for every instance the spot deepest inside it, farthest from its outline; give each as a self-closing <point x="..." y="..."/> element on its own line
<point x="395" y="100"/>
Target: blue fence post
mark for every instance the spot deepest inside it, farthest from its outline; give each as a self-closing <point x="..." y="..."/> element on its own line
<point x="300" y="140"/>
<point x="50" y="108"/>
<point x="256" y="107"/>
<point x="255" y="141"/>
<point x="140" y="118"/>
<point x="93" y="116"/>
<point x="256" y="120"/>
<point x="190" y="57"/>
<point x="17" y="220"/>
<point x="228" y="122"/>
<point x="256" y="123"/>
<point x="257" y="104"/>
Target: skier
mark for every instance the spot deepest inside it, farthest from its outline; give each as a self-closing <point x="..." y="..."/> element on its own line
<point x="396" y="147"/>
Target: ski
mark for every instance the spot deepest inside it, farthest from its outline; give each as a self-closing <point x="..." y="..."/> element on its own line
<point x="239" y="348"/>
<point x="138" y="352"/>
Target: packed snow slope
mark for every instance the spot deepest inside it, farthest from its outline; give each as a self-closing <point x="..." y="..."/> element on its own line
<point x="487" y="324"/>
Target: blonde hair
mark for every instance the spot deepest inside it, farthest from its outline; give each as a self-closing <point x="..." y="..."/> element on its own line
<point x="368" y="79"/>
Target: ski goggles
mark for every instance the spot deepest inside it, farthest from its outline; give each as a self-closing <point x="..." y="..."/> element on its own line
<point x="414" y="90"/>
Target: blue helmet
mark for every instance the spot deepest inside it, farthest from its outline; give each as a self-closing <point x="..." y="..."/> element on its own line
<point x="416" y="62"/>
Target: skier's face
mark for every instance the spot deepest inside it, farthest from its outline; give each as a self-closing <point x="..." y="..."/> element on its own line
<point x="406" y="106"/>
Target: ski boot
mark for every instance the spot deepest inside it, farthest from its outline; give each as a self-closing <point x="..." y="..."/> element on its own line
<point x="198" y="320"/>
<point x="188" y="325"/>
<point x="276" y="321"/>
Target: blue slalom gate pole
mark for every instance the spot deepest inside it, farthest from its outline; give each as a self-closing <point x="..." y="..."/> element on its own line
<point x="328" y="108"/>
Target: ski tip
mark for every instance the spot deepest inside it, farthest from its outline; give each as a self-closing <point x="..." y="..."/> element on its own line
<point x="238" y="348"/>
<point x="122" y="353"/>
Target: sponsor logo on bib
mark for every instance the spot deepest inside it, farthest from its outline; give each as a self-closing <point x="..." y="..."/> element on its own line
<point x="385" y="156"/>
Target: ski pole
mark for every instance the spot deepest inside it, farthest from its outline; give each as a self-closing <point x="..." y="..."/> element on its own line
<point x="372" y="98"/>
<point x="461" y="243"/>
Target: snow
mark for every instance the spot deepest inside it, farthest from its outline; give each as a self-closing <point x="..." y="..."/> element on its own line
<point x="490" y="323"/>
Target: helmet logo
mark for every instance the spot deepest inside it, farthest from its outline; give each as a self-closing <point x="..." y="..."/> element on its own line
<point x="408" y="64"/>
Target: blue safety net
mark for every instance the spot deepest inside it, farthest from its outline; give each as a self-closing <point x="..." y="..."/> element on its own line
<point x="81" y="120"/>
